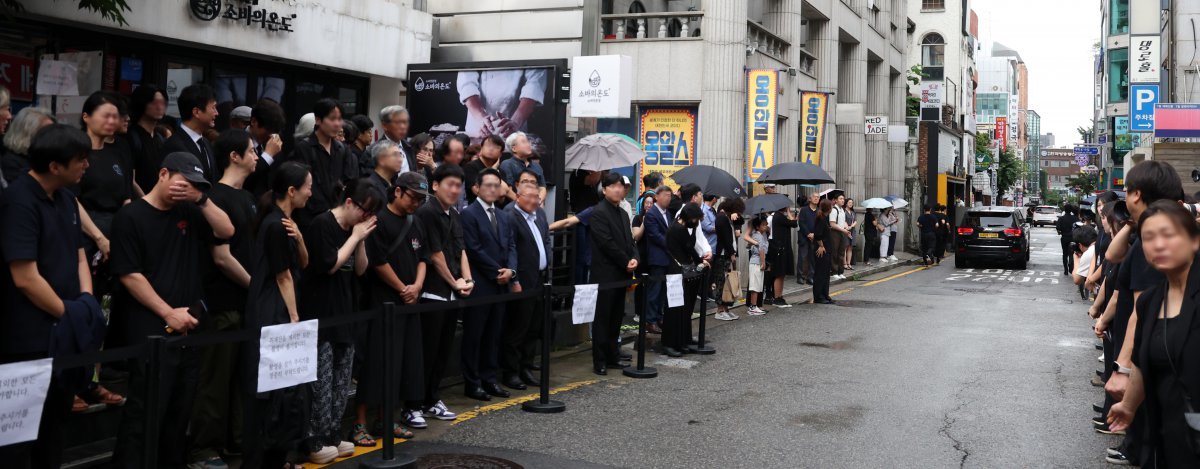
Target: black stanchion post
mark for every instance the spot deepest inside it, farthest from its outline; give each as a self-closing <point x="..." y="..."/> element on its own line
<point x="543" y="405"/>
<point x="387" y="459"/>
<point x="642" y="371"/>
<point x="700" y="348"/>
<point x="153" y="384"/>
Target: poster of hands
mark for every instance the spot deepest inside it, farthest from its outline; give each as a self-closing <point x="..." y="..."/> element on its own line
<point x="483" y="102"/>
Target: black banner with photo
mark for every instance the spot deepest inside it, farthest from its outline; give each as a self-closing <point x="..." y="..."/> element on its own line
<point x="484" y="98"/>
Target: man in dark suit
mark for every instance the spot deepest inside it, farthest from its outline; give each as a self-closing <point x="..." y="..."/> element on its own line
<point x="614" y="258"/>
<point x="491" y="249"/>
<point x="198" y="114"/>
<point x="266" y="123"/>
<point x="656" y="222"/>
<point x="394" y="120"/>
<point x="523" y="319"/>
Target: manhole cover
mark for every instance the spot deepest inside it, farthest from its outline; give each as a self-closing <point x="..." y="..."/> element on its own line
<point x="868" y="304"/>
<point x="464" y="461"/>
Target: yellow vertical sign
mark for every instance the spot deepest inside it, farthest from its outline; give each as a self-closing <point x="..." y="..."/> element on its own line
<point x="813" y="109"/>
<point x="762" y="91"/>
<point x="668" y="136"/>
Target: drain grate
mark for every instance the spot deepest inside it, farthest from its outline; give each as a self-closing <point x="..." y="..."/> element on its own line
<point x="464" y="461"/>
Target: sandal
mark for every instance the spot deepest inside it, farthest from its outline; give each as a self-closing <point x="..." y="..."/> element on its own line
<point x="79" y="405"/>
<point x="360" y="437"/>
<point x="401" y="432"/>
<point x="108" y="397"/>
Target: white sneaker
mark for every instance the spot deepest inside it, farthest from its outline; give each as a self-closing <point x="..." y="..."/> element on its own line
<point x="1100" y="359"/>
<point x="723" y="316"/>
<point x="440" y="412"/>
<point x="325" y="455"/>
<point x="413" y="419"/>
<point x="345" y="449"/>
<point x="732" y="315"/>
<point x="893" y="258"/>
<point x="755" y="311"/>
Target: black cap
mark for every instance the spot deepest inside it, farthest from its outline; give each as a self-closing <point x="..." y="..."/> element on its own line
<point x="186" y="164"/>
<point x="413" y="181"/>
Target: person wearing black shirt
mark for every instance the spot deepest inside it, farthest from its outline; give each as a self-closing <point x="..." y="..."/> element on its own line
<point x="681" y="241"/>
<point x="45" y="274"/>
<point x="337" y="254"/>
<point x="942" y="234"/>
<point x="225" y="295"/>
<point x="361" y="143"/>
<point x="614" y="258"/>
<point x="147" y="106"/>
<point x="928" y="224"/>
<point x="1065" y="226"/>
<point x="584" y="187"/>
<point x="725" y="252"/>
<point x="449" y="279"/>
<point x="490" y="151"/>
<point x="397" y="254"/>
<point x="266" y="123"/>
<point x="522" y="318"/>
<point x="822" y="257"/>
<point x="331" y="163"/>
<point x="198" y="113"/>
<point x="159" y="244"/>
<point x="387" y="158"/>
<point x="274" y="419"/>
<point x="108" y="184"/>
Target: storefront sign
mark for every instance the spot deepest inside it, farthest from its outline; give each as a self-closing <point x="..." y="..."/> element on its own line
<point x="931" y="94"/>
<point x="1177" y="120"/>
<point x="601" y="86"/>
<point x="241" y="11"/>
<point x="1141" y="112"/>
<point x="877" y="125"/>
<point x="1002" y="132"/>
<point x="1123" y="140"/>
<point x="1144" y="59"/>
<point x="814" y="106"/>
<point x="668" y="136"/>
<point x="58" y="77"/>
<point x="762" y="90"/>
<point x="16" y="74"/>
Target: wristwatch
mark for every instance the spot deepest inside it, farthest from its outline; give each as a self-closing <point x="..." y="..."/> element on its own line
<point x="1121" y="369"/>
<point x="203" y="200"/>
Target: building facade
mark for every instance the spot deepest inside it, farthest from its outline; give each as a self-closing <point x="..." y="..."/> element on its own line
<point x="1033" y="150"/>
<point x="1059" y="165"/>
<point x="1003" y="97"/>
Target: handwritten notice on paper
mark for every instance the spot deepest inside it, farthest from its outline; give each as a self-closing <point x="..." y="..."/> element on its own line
<point x="674" y="290"/>
<point x="287" y="355"/>
<point x="583" y="309"/>
<point x="23" y="388"/>
<point x="57" y="77"/>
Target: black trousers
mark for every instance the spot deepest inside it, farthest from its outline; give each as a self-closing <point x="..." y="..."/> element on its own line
<point x="822" y="266"/>
<point x="522" y="329"/>
<point x="677" y="323"/>
<point x="606" y="327"/>
<point x="46" y="450"/>
<point x="437" y="335"/>
<point x="176" y="393"/>
<point x="804" y="258"/>
<point x="217" y="414"/>
<point x="482" y="328"/>
<point x="928" y="244"/>
<point x="1068" y="256"/>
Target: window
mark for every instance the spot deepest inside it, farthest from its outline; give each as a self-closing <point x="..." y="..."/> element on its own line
<point x="927" y="5"/>
<point x="1118" y="14"/>
<point x="933" y="50"/>
<point x="1118" y="75"/>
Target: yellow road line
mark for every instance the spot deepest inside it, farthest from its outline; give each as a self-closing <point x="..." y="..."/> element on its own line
<point x="470" y="414"/>
<point x="893" y="277"/>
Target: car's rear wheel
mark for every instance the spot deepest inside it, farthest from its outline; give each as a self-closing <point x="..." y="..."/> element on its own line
<point x="959" y="262"/>
<point x="1023" y="264"/>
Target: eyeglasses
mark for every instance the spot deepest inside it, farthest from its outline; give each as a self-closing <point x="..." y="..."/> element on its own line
<point x="415" y="196"/>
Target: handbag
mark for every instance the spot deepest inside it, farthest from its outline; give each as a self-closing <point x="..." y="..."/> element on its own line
<point x="731" y="292"/>
<point x="1190" y="416"/>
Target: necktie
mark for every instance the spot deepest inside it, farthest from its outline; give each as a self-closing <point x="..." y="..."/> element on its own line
<point x="207" y="159"/>
<point x="492" y="217"/>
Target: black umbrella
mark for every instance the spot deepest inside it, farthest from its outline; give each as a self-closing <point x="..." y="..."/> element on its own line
<point x="766" y="203"/>
<point x="795" y="172"/>
<point x="712" y="181"/>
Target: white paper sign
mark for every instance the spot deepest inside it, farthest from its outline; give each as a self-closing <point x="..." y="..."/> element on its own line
<point x="57" y="77"/>
<point x="23" y="388"/>
<point x="1144" y="59"/>
<point x="877" y="125"/>
<point x="601" y="85"/>
<point x="287" y="355"/>
<point x="583" y="309"/>
<point x="674" y="290"/>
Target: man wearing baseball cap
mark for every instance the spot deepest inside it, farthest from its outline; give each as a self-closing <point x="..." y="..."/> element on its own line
<point x="159" y="243"/>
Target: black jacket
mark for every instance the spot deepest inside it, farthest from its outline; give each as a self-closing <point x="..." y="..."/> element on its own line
<point x="681" y="245"/>
<point x="181" y="141"/>
<point x="528" y="273"/>
<point x="1065" y="225"/>
<point x="330" y="172"/>
<point x="611" y="243"/>
<point x="726" y="245"/>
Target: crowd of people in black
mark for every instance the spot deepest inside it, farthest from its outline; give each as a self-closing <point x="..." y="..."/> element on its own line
<point x="1135" y="258"/>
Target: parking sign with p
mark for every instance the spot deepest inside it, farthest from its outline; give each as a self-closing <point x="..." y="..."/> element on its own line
<point x="1141" y="112"/>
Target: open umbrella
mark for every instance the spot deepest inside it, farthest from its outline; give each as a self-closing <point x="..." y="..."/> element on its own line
<point x="897" y="202"/>
<point x="767" y="203"/>
<point x="875" y="203"/>
<point x="598" y="152"/>
<point x="712" y="181"/>
<point x="795" y="172"/>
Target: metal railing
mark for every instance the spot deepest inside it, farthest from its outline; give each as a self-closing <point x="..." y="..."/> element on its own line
<point x="765" y="42"/>
<point x="665" y="25"/>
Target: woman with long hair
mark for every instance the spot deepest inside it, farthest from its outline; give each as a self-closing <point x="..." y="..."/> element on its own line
<point x="851" y="224"/>
<point x="725" y="253"/>
<point x="1164" y="377"/>
<point x="824" y="258"/>
<point x="274" y="419"/>
<point x="681" y="238"/>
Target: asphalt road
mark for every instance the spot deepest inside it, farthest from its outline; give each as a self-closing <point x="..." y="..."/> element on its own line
<point x="938" y="367"/>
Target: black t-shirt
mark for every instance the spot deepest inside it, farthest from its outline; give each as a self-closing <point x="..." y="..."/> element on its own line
<point x="108" y="181"/>
<point x="444" y="234"/>
<point x="403" y="255"/>
<point x="1134" y="275"/>
<point x="222" y="294"/>
<point x="274" y="253"/>
<point x="582" y="195"/>
<point x="146" y="149"/>
<point x="169" y="247"/>
<point x="46" y="231"/>
<point x="928" y="223"/>
<point x="323" y="295"/>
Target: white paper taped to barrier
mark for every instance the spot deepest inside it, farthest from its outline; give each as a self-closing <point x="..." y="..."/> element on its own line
<point x="287" y="355"/>
<point x="23" y="387"/>
<point x="583" y="309"/>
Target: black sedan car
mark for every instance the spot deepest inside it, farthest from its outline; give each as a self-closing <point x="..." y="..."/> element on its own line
<point x="998" y="234"/>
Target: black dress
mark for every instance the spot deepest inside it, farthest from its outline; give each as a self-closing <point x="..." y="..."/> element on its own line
<point x="1165" y="349"/>
<point x="677" y="322"/>
<point x="823" y="264"/>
